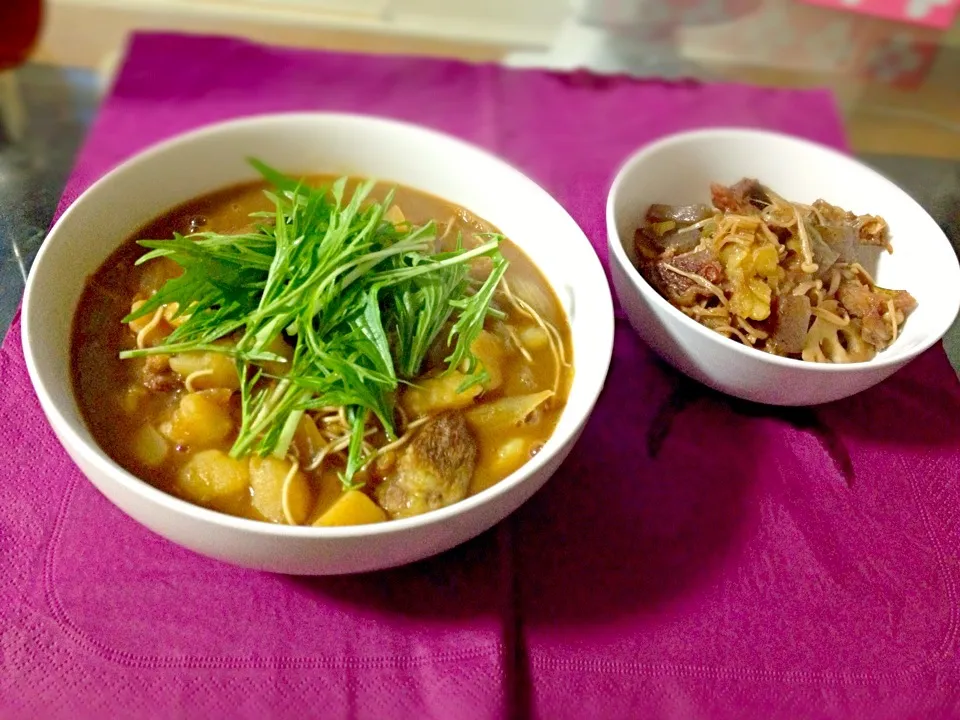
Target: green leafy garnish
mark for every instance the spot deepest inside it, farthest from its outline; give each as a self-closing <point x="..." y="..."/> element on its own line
<point x="360" y="299"/>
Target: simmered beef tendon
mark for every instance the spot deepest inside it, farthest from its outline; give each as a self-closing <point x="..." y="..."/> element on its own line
<point x="871" y="306"/>
<point x="433" y="471"/>
<point x="782" y="277"/>
<point x="744" y="198"/>
<point x="677" y="287"/>
<point x="873" y="230"/>
<point x="841" y="227"/>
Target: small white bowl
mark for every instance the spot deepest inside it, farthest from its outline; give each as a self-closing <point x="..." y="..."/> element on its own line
<point x="679" y="169"/>
<point x="214" y="157"/>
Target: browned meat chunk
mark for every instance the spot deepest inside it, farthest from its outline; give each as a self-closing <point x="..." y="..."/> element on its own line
<point x="433" y="471"/>
<point x="677" y="287"/>
<point x="743" y="198"/>
<point x="157" y="375"/>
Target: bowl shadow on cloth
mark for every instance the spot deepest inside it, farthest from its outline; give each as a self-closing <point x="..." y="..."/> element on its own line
<point x="652" y="502"/>
<point x="461" y="583"/>
<point x="635" y="517"/>
<point x="656" y="500"/>
<point x="648" y="508"/>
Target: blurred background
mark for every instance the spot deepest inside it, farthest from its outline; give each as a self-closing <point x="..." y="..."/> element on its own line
<point x="893" y="65"/>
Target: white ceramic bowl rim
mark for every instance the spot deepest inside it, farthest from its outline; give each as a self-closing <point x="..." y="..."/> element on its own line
<point x="96" y="457"/>
<point x="886" y="358"/>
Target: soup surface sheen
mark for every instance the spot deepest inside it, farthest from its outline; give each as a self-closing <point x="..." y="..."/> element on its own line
<point x="172" y="419"/>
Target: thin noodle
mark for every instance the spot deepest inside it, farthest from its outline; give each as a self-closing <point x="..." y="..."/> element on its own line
<point x="695" y="226"/>
<point x="701" y="311"/>
<point x="342" y="444"/>
<point x="450" y="223"/>
<point x="188" y="382"/>
<point x="808" y="265"/>
<point x="858" y="268"/>
<point x="834" y="282"/>
<point x="556" y="341"/>
<point x="520" y="346"/>
<point x="830" y="317"/>
<point x="756" y="333"/>
<point x="893" y="320"/>
<point x="770" y="235"/>
<point x="731" y="329"/>
<point x="806" y="286"/>
<point x="702" y="281"/>
<point x="285" y="493"/>
<point x="149" y="328"/>
<point x="405" y="438"/>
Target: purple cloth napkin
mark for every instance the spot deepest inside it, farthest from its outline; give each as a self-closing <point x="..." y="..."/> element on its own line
<point x="695" y="557"/>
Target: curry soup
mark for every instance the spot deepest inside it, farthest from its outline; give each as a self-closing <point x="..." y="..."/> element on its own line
<point x="173" y="418"/>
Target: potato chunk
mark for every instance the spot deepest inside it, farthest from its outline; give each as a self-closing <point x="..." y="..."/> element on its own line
<point x="438" y="393"/>
<point x="267" y="479"/>
<point x="490" y="352"/>
<point x="534" y="338"/>
<point x="352" y="508"/>
<point x="149" y="446"/>
<point x="510" y="456"/>
<point x="206" y="370"/>
<point x="211" y="477"/>
<point x="198" y="421"/>
<point x="508" y="412"/>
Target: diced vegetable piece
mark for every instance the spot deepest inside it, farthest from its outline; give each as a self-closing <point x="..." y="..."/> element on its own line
<point x="510" y="456"/>
<point x="394" y="215"/>
<point x="141" y="322"/>
<point x="278" y="346"/>
<point x="328" y="489"/>
<point x="211" y="477"/>
<point x="209" y="370"/>
<point x="534" y="337"/>
<point x="131" y="397"/>
<point x="439" y="393"/>
<point x="267" y="479"/>
<point x="480" y="268"/>
<point x="508" y="412"/>
<point x="308" y="440"/>
<point x="156" y="273"/>
<point x="353" y="508"/>
<point x="535" y="296"/>
<point x="170" y="314"/>
<point x="149" y="446"/>
<point x="522" y="381"/>
<point x="199" y="421"/>
<point x="489" y="351"/>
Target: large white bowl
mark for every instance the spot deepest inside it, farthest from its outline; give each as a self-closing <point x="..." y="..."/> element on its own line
<point x="214" y="157"/>
<point x="679" y="169"/>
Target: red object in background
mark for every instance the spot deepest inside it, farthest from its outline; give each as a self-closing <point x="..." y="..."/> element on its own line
<point x="938" y="14"/>
<point x="19" y="28"/>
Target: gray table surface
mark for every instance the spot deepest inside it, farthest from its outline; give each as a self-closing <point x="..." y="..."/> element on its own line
<point x="60" y="104"/>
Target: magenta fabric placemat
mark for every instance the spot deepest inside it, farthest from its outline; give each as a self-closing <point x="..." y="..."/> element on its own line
<point x="694" y="557"/>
